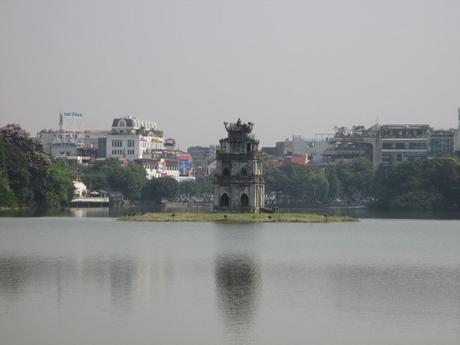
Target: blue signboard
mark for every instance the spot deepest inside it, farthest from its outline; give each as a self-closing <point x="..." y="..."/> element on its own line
<point x="185" y="168"/>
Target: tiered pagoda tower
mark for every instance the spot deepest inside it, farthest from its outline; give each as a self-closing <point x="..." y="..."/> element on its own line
<point x="239" y="182"/>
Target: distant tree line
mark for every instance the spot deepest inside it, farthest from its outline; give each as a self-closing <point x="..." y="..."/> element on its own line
<point x="130" y="180"/>
<point x="422" y="184"/>
<point x="293" y="185"/>
<point x="350" y="182"/>
<point x="28" y="177"/>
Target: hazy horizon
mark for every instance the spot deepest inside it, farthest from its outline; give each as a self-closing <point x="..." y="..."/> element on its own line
<point x="291" y="67"/>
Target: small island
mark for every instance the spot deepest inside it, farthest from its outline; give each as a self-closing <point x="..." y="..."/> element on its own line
<point x="221" y="217"/>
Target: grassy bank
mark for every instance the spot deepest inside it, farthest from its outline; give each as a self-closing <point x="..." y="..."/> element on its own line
<point x="237" y="218"/>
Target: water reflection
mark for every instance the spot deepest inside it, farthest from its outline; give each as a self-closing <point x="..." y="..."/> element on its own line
<point x="107" y="282"/>
<point x="79" y="212"/>
<point x="419" y="290"/>
<point x="237" y="282"/>
<point x="364" y="212"/>
<point x="122" y="279"/>
<point x="12" y="275"/>
<point x="18" y="275"/>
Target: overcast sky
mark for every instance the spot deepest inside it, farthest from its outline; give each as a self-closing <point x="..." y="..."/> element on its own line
<point x="292" y="67"/>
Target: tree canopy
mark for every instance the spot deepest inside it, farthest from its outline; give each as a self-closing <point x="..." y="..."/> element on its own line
<point x="350" y="181"/>
<point x="424" y="184"/>
<point x="111" y="175"/>
<point x="28" y="177"/>
<point x="163" y="187"/>
<point x="294" y="185"/>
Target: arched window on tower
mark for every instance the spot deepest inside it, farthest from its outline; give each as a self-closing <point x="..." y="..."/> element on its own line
<point x="248" y="147"/>
<point x="226" y="172"/>
<point x="244" y="172"/>
<point x="224" y="200"/>
<point x="244" y="200"/>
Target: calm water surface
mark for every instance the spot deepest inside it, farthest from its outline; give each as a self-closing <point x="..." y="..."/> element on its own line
<point x="101" y="281"/>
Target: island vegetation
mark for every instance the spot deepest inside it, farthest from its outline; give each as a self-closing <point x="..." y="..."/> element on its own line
<point x="220" y="217"/>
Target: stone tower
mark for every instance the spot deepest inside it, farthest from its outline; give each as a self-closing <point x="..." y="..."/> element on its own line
<point x="458" y="111"/>
<point x="239" y="182"/>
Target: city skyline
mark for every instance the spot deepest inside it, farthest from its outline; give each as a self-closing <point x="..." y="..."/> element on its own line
<point x="290" y="67"/>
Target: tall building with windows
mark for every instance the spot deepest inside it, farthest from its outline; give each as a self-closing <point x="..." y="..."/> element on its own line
<point x="442" y="141"/>
<point x="132" y="138"/>
<point x="239" y="182"/>
<point x="384" y="144"/>
<point x="404" y="142"/>
<point x="201" y="157"/>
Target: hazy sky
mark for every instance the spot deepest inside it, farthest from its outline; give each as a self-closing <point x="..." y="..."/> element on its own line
<point x="292" y="67"/>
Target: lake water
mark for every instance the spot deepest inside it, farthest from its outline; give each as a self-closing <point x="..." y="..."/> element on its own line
<point x="71" y="280"/>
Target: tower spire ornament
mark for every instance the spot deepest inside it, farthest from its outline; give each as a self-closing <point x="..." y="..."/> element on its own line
<point x="458" y="111"/>
<point x="238" y="182"/>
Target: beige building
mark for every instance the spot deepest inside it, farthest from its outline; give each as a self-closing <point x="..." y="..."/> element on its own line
<point x="132" y="138"/>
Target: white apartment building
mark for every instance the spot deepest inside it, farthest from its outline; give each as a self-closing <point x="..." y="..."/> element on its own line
<point x="161" y="167"/>
<point x="132" y="138"/>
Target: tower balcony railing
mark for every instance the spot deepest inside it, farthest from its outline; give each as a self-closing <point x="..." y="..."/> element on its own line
<point x="223" y="155"/>
<point x="238" y="179"/>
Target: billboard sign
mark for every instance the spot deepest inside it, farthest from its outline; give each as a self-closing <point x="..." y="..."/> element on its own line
<point x="73" y="114"/>
<point x="185" y="168"/>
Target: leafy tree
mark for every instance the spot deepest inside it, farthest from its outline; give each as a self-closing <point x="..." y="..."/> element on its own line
<point x="351" y="181"/>
<point x="316" y="188"/>
<point x="335" y="185"/>
<point x="111" y="175"/>
<point x="201" y="188"/>
<point x="295" y="185"/>
<point x="28" y="176"/>
<point x="423" y="184"/>
<point x="188" y="188"/>
<point x="159" y="188"/>
<point x="19" y="176"/>
<point x="59" y="187"/>
<point x="96" y="177"/>
<point x="133" y="181"/>
<point x="7" y="196"/>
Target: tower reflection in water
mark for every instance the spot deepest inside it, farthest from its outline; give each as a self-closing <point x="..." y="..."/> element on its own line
<point x="237" y="283"/>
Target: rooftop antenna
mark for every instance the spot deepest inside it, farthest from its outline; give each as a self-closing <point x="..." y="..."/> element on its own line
<point x="61" y="121"/>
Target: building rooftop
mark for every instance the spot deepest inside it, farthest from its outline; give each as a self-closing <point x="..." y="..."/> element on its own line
<point x="132" y="122"/>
